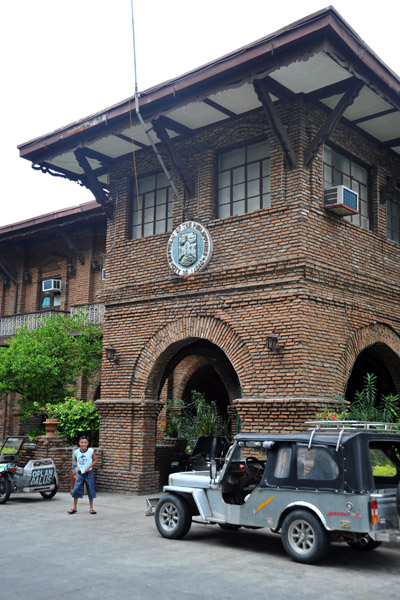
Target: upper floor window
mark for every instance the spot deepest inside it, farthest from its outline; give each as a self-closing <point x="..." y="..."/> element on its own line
<point x="244" y="180"/>
<point x="50" y="293"/>
<point x="393" y="216"/>
<point x="152" y="206"/>
<point x="341" y="170"/>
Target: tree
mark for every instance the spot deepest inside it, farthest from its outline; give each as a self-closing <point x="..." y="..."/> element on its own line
<point x="43" y="364"/>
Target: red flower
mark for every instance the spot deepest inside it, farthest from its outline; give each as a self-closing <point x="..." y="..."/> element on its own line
<point x="324" y="415"/>
<point x="333" y="417"/>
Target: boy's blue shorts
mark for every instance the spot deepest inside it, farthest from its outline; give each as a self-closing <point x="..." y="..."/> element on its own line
<point x="81" y="479"/>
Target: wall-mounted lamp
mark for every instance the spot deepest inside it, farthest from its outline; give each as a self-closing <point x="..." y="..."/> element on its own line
<point x="27" y="277"/>
<point x="272" y="343"/>
<point x="70" y="269"/>
<point x="94" y="264"/>
<point x="111" y="354"/>
<point x="6" y="281"/>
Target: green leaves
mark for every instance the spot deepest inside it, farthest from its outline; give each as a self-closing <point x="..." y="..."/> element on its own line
<point x="42" y="364"/>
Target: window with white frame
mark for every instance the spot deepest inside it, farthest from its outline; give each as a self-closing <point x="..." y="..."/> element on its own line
<point x="393" y="216"/>
<point x="339" y="169"/>
<point x="244" y="180"/>
<point x="151" y="205"/>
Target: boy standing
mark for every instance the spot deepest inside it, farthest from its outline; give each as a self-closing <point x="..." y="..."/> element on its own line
<point x="84" y="460"/>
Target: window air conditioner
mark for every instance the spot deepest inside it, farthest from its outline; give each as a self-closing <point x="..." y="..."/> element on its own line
<point x="51" y="285"/>
<point x="341" y="200"/>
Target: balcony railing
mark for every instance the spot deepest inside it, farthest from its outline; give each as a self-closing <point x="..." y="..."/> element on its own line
<point x="9" y="325"/>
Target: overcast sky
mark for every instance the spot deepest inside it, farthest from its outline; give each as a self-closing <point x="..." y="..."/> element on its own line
<point x="62" y="60"/>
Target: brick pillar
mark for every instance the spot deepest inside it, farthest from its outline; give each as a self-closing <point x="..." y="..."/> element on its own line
<point x="128" y="443"/>
<point x="281" y="415"/>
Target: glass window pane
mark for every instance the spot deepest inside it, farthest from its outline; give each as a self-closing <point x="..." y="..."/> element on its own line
<point x="239" y="208"/>
<point x="253" y="204"/>
<point x="162" y="180"/>
<point x="161" y="210"/>
<point x="148" y="229"/>
<point x="253" y="171"/>
<point x="346" y="181"/>
<point x="341" y="162"/>
<point x="136" y="232"/>
<point x="327" y="176"/>
<point x="224" y="179"/>
<point x="224" y="195"/>
<point x="238" y="191"/>
<point x="161" y="196"/>
<point x="337" y="178"/>
<point x="359" y="173"/>
<point x="149" y="214"/>
<point x="327" y="157"/>
<point x="266" y="185"/>
<point x="160" y="226"/>
<point x="355" y="186"/>
<point x="258" y="151"/>
<point x="266" y="167"/>
<point x="224" y="211"/>
<point x="148" y="199"/>
<point x="266" y="200"/>
<point x="253" y="188"/>
<point x="238" y="175"/>
<point x="146" y="184"/>
<point x="232" y="159"/>
<point x="57" y="300"/>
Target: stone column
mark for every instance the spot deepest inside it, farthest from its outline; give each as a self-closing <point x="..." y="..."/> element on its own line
<point x="128" y="443"/>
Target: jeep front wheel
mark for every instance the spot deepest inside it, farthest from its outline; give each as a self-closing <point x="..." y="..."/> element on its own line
<point x="304" y="538"/>
<point x="173" y="517"/>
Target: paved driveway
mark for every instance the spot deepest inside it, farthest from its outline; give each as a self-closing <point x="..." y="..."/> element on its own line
<point x="118" y="553"/>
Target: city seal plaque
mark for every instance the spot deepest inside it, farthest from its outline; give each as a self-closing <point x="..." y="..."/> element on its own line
<point x="189" y="248"/>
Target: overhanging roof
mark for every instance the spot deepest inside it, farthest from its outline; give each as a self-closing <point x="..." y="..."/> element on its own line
<point x="319" y="58"/>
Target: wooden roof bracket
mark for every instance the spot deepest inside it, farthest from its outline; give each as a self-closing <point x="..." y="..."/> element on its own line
<point x="389" y="186"/>
<point x="332" y="120"/>
<point x="93" y="183"/>
<point x="262" y="90"/>
<point x="8" y="270"/>
<point x="174" y="156"/>
<point x="71" y="245"/>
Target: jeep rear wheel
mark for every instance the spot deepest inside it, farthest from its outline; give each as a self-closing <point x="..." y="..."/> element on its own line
<point x="5" y="489"/>
<point x="173" y="517"/>
<point x="304" y="538"/>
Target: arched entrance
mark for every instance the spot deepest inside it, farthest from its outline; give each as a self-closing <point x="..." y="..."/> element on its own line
<point x="378" y="359"/>
<point x="201" y="366"/>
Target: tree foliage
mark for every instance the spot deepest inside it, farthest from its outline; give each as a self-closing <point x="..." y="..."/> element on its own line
<point x="43" y="364"/>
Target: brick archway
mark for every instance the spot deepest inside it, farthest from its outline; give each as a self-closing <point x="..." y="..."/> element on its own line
<point x="376" y="333"/>
<point x="160" y="349"/>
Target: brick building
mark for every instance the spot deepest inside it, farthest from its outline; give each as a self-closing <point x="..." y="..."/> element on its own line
<point x="265" y="273"/>
<point x="51" y="263"/>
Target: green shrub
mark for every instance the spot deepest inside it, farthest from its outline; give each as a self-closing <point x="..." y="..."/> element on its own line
<point x="75" y="417"/>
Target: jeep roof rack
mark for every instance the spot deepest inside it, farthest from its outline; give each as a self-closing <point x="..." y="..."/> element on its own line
<point x="342" y="426"/>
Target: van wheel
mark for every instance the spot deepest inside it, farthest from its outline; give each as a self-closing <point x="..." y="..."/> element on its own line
<point x="304" y="538"/>
<point x="173" y="517"/>
<point x="365" y="543"/>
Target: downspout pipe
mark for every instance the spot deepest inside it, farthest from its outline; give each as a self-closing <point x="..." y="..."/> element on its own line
<point x="148" y="129"/>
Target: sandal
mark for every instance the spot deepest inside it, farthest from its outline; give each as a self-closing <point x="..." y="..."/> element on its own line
<point x="93" y="512"/>
<point x="72" y="511"/>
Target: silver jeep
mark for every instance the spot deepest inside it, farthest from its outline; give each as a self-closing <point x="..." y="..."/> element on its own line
<point x="335" y="482"/>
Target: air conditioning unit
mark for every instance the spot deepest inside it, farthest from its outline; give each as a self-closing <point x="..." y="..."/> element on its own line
<point x="341" y="200"/>
<point x="51" y="285"/>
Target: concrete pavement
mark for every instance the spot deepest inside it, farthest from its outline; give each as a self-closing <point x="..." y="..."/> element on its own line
<point x="47" y="554"/>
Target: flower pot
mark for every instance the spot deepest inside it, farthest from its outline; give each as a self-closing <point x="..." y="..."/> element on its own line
<point x="50" y="426"/>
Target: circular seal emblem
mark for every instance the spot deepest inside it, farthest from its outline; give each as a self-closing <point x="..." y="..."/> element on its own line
<point x="189" y="248"/>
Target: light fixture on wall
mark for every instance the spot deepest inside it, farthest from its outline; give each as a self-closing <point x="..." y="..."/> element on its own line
<point x="111" y="354"/>
<point x="6" y="281"/>
<point x="70" y="269"/>
<point x="272" y="343"/>
<point x="27" y="277"/>
<point x="94" y="264"/>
